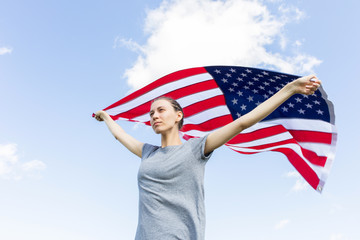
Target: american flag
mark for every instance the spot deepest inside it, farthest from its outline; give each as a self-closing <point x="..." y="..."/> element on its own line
<point x="302" y="128"/>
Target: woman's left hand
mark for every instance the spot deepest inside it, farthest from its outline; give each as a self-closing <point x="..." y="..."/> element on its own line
<point x="305" y="85"/>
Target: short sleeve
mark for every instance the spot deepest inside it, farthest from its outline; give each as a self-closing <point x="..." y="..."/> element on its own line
<point x="198" y="148"/>
<point x="147" y="150"/>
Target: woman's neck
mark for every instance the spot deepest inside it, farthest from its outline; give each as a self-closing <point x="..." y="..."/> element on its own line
<point x="170" y="138"/>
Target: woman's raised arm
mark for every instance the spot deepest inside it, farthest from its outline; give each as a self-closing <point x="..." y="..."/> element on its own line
<point x="125" y="139"/>
<point x="305" y="85"/>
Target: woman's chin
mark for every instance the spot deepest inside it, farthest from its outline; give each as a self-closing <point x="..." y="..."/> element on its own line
<point x="156" y="130"/>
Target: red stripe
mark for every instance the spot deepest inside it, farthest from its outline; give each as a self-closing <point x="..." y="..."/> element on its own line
<point x="191" y="89"/>
<point x="175" y="94"/>
<point x="311" y="136"/>
<point x="172" y="77"/>
<point x="298" y="135"/>
<point x="309" y="155"/>
<point x="209" y="125"/>
<point x="258" y="134"/>
<point x="203" y="105"/>
<point x="301" y="166"/>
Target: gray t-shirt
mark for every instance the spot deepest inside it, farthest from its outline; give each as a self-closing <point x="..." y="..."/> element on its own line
<point x="171" y="192"/>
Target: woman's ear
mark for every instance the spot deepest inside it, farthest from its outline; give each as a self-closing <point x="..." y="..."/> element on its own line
<point x="179" y="116"/>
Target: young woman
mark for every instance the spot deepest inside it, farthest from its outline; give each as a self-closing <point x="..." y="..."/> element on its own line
<point x="171" y="176"/>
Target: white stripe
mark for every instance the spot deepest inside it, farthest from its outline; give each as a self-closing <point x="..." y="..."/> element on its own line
<point x="320" y="149"/>
<point x="272" y="139"/>
<point x="204" y="115"/>
<point x="295" y="124"/>
<point x="157" y="92"/>
<point x="317" y="169"/>
<point x="200" y="96"/>
<point x="291" y="124"/>
<point x="188" y="100"/>
<point x="196" y="133"/>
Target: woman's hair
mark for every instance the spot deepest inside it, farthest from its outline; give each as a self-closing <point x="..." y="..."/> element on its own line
<point x="176" y="107"/>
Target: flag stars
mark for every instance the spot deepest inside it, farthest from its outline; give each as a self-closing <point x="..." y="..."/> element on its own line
<point x="250" y="98"/>
<point x="244" y="74"/>
<point x="277" y="88"/>
<point x="308" y="105"/>
<point x="234" y="101"/>
<point x="298" y="100"/>
<point x="255" y="79"/>
<point x="243" y="107"/>
<point x="255" y="91"/>
<point x="232" y="70"/>
<point x="277" y="77"/>
<point x="262" y="87"/>
<point x="270" y="92"/>
<point x="250" y="83"/>
<point x="217" y="71"/>
<point x="240" y="93"/>
<point x="235" y="84"/>
<point x="246" y="87"/>
<point x="238" y="115"/>
<point x="272" y="80"/>
<point x="291" y="105"/>
<point x="224" y="80"/>
<point x="301" y="111"/>
<point x="231" y="90"/>
<point x="316" y="102"/>
<point x="266" y="83"/>
<point x="285" y="109"/>
<point x="265" y="73"/>
<point x="259" y="75"/>
<point x="248" y="71"/>
<point x="266" y="96"/>
<point x="320" y="112"/>
<point x="228" y="75"/>
<point x="239" y="79"/>
<point x="257" y="103"/>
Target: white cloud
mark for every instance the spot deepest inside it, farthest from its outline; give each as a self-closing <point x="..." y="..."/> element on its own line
<point x="193" y="33"/>
<point x="13" y="169"/>
<point x="33" y="165"/>
<point x="282" y="224"/>
<point x="300" y="184"/>
<point x="5" y="50"/>
<point x="337" y="237"/>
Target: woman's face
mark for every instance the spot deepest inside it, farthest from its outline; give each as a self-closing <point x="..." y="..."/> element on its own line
<point x="163" y="116"/>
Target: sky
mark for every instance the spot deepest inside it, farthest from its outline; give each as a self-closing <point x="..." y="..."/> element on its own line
<point x="64" y="176"/>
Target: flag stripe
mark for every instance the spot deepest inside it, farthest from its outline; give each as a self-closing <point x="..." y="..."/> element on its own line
<point x="209" y="125"/>
<point x="175" y="76"/>
<point x="187" y="90"/>
<point x="301" y="166"/>
<point x="209" y="103"/>
<point x="311" y="136"/>
<point x="201" y="117"/>
<point x="295" y="124"/>
<point x="309" y="155"/>
<point x="159" y="91"/>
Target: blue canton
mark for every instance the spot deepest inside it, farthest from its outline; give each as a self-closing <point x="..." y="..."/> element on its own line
<point x="246" y="88"/>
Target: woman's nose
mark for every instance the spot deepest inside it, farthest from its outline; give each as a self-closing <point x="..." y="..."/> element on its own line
<point x="155" y="115"/>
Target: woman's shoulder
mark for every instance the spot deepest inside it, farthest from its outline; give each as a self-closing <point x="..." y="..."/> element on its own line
<point x="148" y="149"/>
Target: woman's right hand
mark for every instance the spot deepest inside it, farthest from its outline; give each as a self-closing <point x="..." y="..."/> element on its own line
<point x="100" y="115"/>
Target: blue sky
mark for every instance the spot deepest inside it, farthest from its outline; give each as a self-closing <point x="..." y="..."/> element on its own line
<point x="62" y="174"/>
